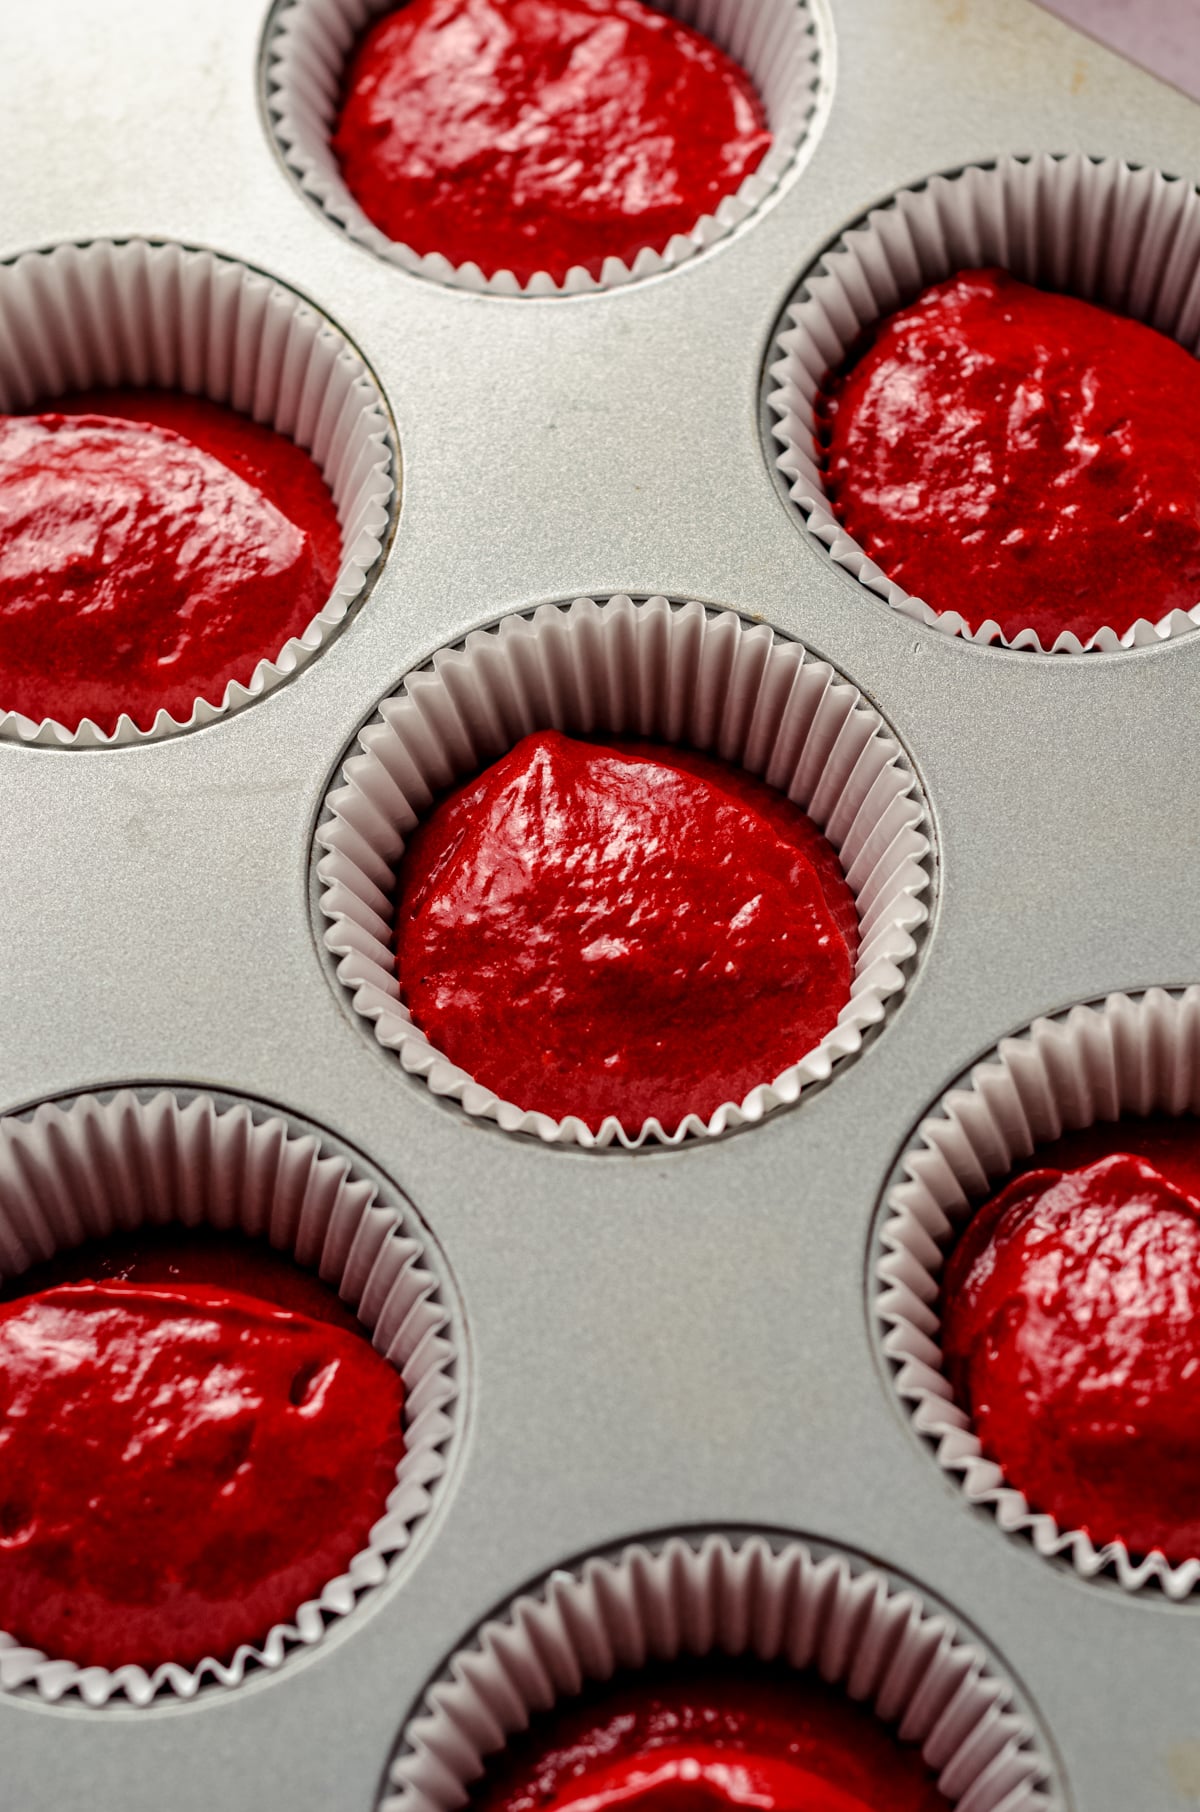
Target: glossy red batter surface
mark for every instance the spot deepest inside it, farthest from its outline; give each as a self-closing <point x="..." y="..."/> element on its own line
<point x="598" y="928"/>
<point x="1071" y="1329"/>
<point x="183" y="1461"/>
<point x="713" y="1733"/>
<point x="1021" y="457"/>
<point x="153" y="547"/>
<point x="534" y="135"/>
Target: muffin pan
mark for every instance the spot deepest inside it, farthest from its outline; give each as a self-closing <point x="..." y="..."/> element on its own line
<point x="653" y="1343"/>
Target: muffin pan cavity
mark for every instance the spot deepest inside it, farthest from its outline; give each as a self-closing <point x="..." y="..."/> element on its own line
<point x="802" y="1604"/>
<point x="1098" y="228"/>
<point x="676" y="672"/>
<point x="308" y="43"/>
<point x="138" y="314"/>
<point x="91" y="1166"/>
<point x="1129" y="1055"/>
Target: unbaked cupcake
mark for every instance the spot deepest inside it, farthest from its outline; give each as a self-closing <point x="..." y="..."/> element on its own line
<point x="541" y="138"/>
<point x="156" y="547"/>
<point x="611" y="928"/>
<point x="195" y="1438"/>
<point x="1071" y="1333"/>
<point x="1020" y="457"/>
<point x="716" y="1732"/>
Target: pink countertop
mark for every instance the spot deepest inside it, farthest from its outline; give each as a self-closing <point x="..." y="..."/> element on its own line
<point x="1162" y="35"/>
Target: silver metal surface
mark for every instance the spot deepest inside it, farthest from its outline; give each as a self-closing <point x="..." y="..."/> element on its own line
<point x="656" y="1339"/>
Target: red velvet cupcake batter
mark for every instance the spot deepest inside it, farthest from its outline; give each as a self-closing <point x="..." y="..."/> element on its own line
<point x="182" y="1464"/>
<point x="714" y="1733"/>
<point x="534" y="135"/>
<point x="1071" y="1329"/>
<point x="153" y="547"/>
<point x="598" y="928"/>
<point x="1021" y="457"/>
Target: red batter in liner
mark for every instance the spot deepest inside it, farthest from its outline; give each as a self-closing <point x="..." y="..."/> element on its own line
<point x="534" y="135"/>
<point x="603" y="927"/>
<point x="1071" y="1329"/>
<point x="183" y="1462"/>
<point x="153" y="547"/>
<point x="712" y="1733"/>
<point x="1021" y="457"/>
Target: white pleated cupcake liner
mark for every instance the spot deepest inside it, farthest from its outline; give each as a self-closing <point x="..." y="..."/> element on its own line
<point x="805" y="1607"/>
<point x="1131" y="1055"/>
<point x="679" y="673"/>
<point x="308" y="44"/>
<point x="104" y="1164"/>
<point x="1124" y="237"/>
<point x="140" y="314"/>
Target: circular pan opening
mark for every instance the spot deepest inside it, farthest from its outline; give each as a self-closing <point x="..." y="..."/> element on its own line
<point x="675" y="671"/>
<point x="781" y="44"/>
<point x="88" y="1166"/>
<point x="806" y="1604"/>
<point x="148" y="314"/>
<point x="1110" y="232"/>
<point x="1127" y="1055"/>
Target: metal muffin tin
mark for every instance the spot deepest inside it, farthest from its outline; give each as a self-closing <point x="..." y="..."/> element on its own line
<point x="651" y="1340"/>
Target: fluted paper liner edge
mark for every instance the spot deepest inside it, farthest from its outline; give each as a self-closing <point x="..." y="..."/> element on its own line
<point x="694" y="1595"/>
<point x="1130" y="1055"/>
<point x="141" y="313"/>
<point x="682" y="673"/>
<point x="96" y="1166"/>
<point x="1125" y="237"/>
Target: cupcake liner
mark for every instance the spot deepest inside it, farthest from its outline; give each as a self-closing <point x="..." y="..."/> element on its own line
<point x="142" y="314"/>
<point x="1102" y="229"/>
<point x="306" y="49"/>
<point x="677" y="672"/>
<point x="1131" y="1055"/>
<point x="101" y="1164"/>
<point x="805" y="1606"/>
